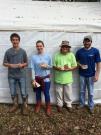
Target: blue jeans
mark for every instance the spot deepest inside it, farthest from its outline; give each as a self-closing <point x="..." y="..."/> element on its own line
<point x="89" y="83"/>
<point x="22" y="85"/>
<point x="45" y="91"/>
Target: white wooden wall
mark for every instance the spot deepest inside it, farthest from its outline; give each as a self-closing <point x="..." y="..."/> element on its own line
<point x="52" y="41"/>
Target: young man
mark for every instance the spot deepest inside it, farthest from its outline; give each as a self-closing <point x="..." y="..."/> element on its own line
<point x="89" y="60"/>
<point x="64" y="63"/>
<point x="16" y="60"/>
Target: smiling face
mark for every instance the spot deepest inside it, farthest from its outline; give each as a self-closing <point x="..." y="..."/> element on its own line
<point x="87" y="43"/>
<point x="15" y="42"/>
<point x="40" y="47"/>
<point x="65" y="49"/>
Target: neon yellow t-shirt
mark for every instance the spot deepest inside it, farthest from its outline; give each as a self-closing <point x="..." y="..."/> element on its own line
<point x="64" y="77"/>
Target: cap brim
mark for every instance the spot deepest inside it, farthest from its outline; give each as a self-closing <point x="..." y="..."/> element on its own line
<point x="66" y="45"/>
<point x="87" y="39"/>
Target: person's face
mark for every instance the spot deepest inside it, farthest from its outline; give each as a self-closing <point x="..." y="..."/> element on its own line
<point x="15" y="41"/>
<point x="87" y="43"/>
<point x="64" y="49"/>
<point x="39" y="47"/>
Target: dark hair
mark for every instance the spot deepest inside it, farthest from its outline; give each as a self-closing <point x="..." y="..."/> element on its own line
<point x="39" y="41"/>
<point x="14" y="35"/>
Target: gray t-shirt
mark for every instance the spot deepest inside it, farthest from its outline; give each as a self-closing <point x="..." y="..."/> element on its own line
<point x="13" y="56"/>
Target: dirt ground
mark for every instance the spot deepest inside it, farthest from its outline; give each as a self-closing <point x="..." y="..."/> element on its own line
<point x="79" y="122"/>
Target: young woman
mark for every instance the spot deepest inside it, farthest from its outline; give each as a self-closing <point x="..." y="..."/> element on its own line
<point x="41" y="65"/>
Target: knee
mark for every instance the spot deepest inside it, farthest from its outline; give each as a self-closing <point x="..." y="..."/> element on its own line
<point x="47" y="94"/>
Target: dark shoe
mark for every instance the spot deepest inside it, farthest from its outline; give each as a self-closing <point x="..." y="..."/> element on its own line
<point x="59" y="109"/>
<point x="37" y="107"/>
<point x="69" y="109"/>
<point x="15" y="104"/>
<point x="80" y="107"/>
<point x="91" y="111"/>
<point x="48" y="109"/>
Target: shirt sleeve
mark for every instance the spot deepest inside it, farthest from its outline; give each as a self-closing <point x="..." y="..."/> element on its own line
<point x="97" y="56"/>
<point x="6" y="60"/>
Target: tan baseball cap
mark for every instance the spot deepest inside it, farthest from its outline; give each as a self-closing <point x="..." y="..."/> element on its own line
<point x="65" y="43"/>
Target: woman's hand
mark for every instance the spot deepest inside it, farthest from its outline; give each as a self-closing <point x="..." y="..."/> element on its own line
<point x="35" y="84"/>
<point x="43" y="65"/>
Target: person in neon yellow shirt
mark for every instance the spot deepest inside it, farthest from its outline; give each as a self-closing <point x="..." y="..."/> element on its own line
<point x="64" y="62"/>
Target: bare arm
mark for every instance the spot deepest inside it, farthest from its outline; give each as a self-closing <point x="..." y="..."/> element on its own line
<point x="6" y="64"/>
<point x="97" y="73"/>
<point x="57" y="68"/>
<point x="22" y="65"/>
<point x="65" y="69"/>
<point x="15" y="65"/>
<point x="72" y="68"/>
<point x="10" y="65"/>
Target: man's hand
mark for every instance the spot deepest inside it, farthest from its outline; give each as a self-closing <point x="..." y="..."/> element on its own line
<point x="20" y="65"/>
<point x="98" y="67"/>
<point x="96" y="77"/>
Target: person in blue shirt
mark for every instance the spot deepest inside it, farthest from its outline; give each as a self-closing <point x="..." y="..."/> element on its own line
<point x="41" y="65"/>
<point x="88" y="59"/>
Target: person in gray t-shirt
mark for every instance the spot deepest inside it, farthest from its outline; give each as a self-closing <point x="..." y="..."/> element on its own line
<point x="16" y="60"/>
